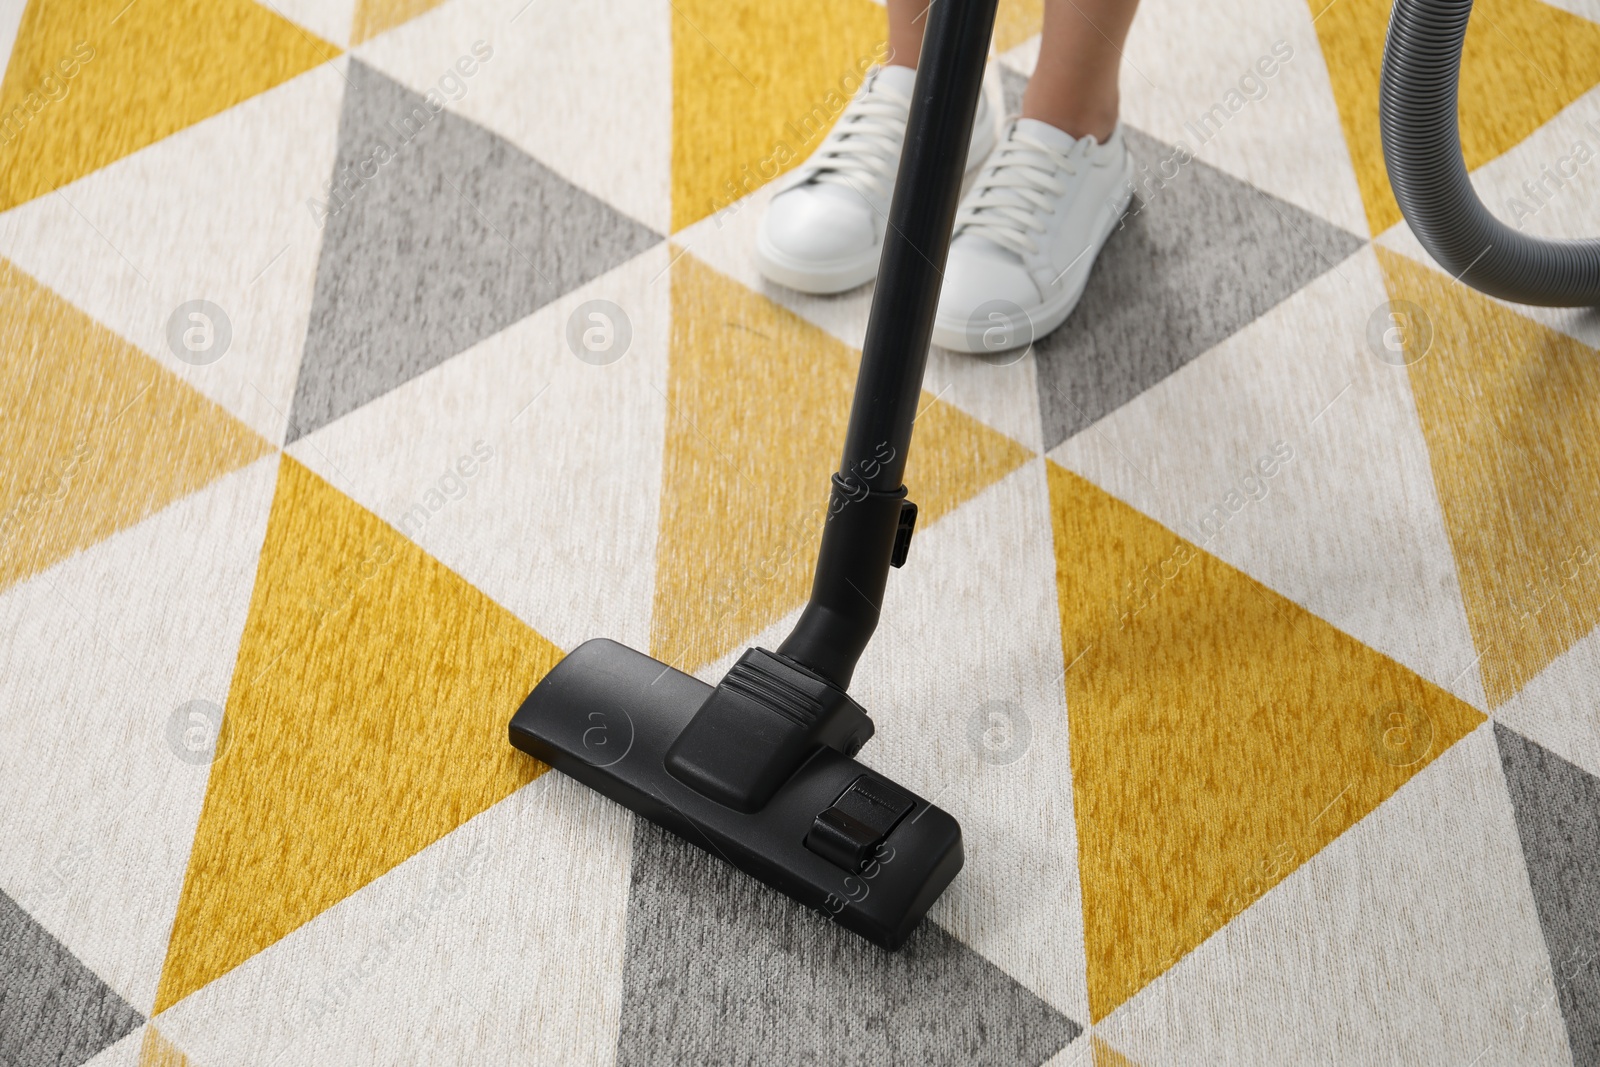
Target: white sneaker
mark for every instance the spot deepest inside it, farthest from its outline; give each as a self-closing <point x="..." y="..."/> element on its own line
<point x="823" y="231"/>
<point x="1027" y="234"/>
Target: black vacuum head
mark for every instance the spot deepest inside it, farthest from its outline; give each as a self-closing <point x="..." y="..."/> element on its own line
<point x="757" y="770"/>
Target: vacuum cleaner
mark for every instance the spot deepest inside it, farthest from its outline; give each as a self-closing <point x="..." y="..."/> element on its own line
<point x="1422" y="153"/>
<point x="760" y="768"/>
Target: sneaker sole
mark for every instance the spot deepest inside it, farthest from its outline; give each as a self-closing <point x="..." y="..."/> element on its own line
<point x="842" y="275"/>
<point x="1045" y="318"/>
<point x="837" y="277"/>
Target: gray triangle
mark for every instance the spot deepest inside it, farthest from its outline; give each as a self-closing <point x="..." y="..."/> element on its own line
<point x="53" y="1009"/>
<point x="1197" y="258"/>
<point x="448" y="234"/>
<point x="1558" y="818"/>
<point x="723" y="970"/>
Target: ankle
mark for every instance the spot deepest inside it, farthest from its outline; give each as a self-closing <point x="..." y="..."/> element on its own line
<point x="1097" y="122"/>
<point x="1084" y="105"/>
<point x="903" y="50"/>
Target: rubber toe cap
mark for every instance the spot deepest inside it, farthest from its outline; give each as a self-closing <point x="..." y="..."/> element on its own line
<point x="818" y="224"/>
<point x="978" y="273"/>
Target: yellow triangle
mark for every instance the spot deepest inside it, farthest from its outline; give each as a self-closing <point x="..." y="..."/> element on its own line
<point x="1015" y="21"/>
<point x="756" y="85"/>
<point x="156" y="1051"/>
<point x="1511" y="413"/>
<point x="1105" y="1055"/>
<point x="98" y="434"/>
<point x="92" y="80"/>
<point x="367" y="719"/>
<point x="375" y="16"/>
<point x="1221" y="734"/>
<point x="1522" y="62"/>
<point x="757" y="401"/>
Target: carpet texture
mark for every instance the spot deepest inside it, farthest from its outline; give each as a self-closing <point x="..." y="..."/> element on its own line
<point x="359" y="358"/>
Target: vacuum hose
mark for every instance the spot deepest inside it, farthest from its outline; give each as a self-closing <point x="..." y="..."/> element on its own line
<point x="1422" y="151"/>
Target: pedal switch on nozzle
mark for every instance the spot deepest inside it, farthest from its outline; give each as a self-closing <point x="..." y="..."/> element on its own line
<point x="851" y="831"/>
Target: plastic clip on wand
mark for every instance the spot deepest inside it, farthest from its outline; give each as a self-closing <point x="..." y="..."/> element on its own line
<point x="760" y="768"/>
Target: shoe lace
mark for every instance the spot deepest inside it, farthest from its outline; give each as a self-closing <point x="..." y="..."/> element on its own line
<point x="863" y="147"/>
<point x="1018" y="185"/>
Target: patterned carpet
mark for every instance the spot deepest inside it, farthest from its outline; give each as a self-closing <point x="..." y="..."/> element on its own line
<point x="359" y="357"/>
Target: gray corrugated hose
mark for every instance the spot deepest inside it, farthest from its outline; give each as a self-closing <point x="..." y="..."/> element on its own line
<point x="1422" y="151"/>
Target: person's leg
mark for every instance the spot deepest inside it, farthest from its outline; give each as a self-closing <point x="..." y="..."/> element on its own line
<point x="907" y="19"/>
<point x="823" y="230"/>
<point x="1051" y="194"/>
<point x="1074" y="86"/>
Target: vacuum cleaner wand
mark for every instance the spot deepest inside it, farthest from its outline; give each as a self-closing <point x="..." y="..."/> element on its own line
<point x="759" y="769"/>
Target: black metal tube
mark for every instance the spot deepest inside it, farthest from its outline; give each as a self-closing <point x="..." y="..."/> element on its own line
<point x="955" y="48"/>
<point x="858" y="539"/>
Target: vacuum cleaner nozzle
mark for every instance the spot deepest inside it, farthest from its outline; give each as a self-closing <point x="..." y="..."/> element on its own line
<point x="757" y="770"/>
<point x="760" y="769"/>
